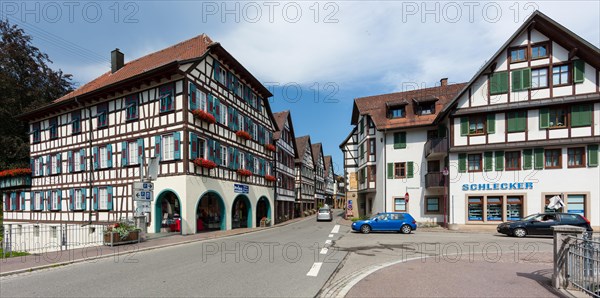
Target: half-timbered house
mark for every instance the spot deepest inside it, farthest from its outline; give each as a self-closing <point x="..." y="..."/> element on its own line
<point x="349" y="149"/>
<point x="329" y="180"/>
<point x="191" y="107"/>
<point x="285" y="142"/>
<point x="319" y="162"/>
<point x="305" y="176"/>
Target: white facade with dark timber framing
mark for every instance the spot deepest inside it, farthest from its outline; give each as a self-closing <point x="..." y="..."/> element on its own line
<point x="329" y="180"/>
<point x="527" y="128"/>
<point x="305" y="176"/>
<point x="86" y="147"/>
<point x="319" y="160"/>
<point x="350" y="153"/>
<point x="286" y="154"/>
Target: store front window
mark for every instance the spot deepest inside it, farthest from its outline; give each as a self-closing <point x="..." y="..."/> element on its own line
<point x="494" y="208"/>
<point x="576" y="204"/>
<point x="514" y="208"/>
<point x="209" y="214"/>
<point x="547" y="201"/>
<point x="475" y="208"/>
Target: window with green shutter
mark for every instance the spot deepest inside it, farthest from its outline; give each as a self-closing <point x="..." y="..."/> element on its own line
<point x="410" y="169"/>
<point x="462" y="162"/>
<point x="538" y="162"/>
<point x="498" y="82"/>
<point x="499" y="160"/>
<point x="581" y="115"/>
<point x="592" y="155"/>
<point x="400" y="140"/>
<point x="544" y="118"/>
<point x="521" y="79"/>
<point x="488" y="161"/>
<point x="578" y="71"/>
<point x="464" y="126"/>
<point x="390" y="170"/>
<point x="516" y="121"/>
<point x="527" y="159"/>
<point x="491" y="123"/>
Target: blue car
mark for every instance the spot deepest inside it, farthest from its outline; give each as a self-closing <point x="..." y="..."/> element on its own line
<point x="389" y="221"/>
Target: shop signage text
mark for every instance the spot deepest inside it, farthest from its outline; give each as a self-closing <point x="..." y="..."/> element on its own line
<point x="241" y="188"/>
<point x="497" y="186"/>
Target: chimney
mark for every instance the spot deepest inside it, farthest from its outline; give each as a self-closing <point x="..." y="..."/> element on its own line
<point x="444" y="82"/>
<point x="117" y="60"/>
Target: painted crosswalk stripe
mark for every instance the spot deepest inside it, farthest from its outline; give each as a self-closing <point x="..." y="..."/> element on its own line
<point x="327" y="242"/>
<point x="336" y="229"/>
<point x="324" y="250"/>
<point x="314" y="270"/>
<point x="330" y="235"/>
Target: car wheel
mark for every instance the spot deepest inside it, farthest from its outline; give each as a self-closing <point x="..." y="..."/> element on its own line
<point x="519" y="232"/>
<point x="365" y="229"/>
<point x="405" y="229"/>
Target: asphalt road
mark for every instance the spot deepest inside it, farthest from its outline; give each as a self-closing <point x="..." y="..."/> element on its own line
<point x="285" y="261"/>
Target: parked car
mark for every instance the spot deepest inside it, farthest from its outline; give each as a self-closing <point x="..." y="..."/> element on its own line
<point x="325" y="214"/>
<point x="388" y="221"/>
<point x="541" y="224"/>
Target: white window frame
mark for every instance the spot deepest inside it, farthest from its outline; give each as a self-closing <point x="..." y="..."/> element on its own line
<point x="54" y="164"/>
<point x="201" y="98"/>
<point x="168" y="147"/>
<point x="38" y="201"/>
<point x="103" y="198"/>
<point x="201" y="148"/>
<point x="223" y="112"/>
<point x="224" y="156"/>
<point x="54" y="200"/>
<point x="256" y="169"/>
<point x="37" y="166"/>
<point x="254" y="100"/>
<point x="539" y="80"/>
<point x="78" y="199"/>
<point x="103" y="157"/>
<point x="132" y="153"/>
<point x="223" y="75"/>
<point x="76" y="160"/>
<point x="242" y="160"/>
<point x="254" y="131"/>
<point x="240" y="121"/>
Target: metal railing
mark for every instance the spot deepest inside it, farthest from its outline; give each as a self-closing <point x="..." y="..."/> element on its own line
<point x="583" y="265"/>
<point x="41" y="238"/>
<point x="437" y="145"/>
<point x="434" y="180"/>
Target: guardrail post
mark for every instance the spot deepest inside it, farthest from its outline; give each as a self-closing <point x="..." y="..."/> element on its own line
<point x="563" y="237"/>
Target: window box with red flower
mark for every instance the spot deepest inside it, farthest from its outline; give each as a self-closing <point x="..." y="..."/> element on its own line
<point x="244" y="172"/>
<point x="270" y="178"/>
<point x="270" y="147"/>
<point x="205" y="163"/>
<point x="15" y="172"/>
<point x="204" y="116"/>
<point x="243" y="134"/>
<point x="121" y="233"/>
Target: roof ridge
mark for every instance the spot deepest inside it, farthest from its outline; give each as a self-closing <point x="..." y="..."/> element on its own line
<point x="407" y="91"/>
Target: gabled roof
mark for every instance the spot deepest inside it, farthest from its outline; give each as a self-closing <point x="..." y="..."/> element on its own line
<point x="348" y="138"/>
<point x="329" y="165"/>
<point x="557" y="32"/>
<point x="377" y="106"/>
<point x="317" y="149"/>
<point x="280" y="119"/>
<point x="303" y="143"/>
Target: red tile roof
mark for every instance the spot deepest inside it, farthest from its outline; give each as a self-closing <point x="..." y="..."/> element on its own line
<point x="280" y="118"/>
<point x="185" y="50"/>
<point x="302" y="143"/>
<point x="328" y="165"/>
<point x="317" y="149"/>
<point x="376" y="106"/>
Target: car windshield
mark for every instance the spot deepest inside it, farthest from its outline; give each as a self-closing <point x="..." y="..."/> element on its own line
<point x="323" y="210"/>
<point x="531" y="217"/>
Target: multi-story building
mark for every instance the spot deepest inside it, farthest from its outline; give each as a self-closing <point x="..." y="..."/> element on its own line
<point x="317" y="152"/>
<point x="401" y="150"/>
<point x="329" y="180"/>
<point x="339" y="192"/>
<point x="192" y="107"/>
<point x="285" y="141"/>
<point x="526" y="129"/>
<point x="349" y="149"/>
<point x="305" y="176"/>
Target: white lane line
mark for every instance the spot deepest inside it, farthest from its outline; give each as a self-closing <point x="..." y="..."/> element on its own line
<point x="336" y="229"/>
<point x="330" y="235"/>
<point x="314" y="270"/>
<point x="327" y="242"/>
<point x="324" y="250"/>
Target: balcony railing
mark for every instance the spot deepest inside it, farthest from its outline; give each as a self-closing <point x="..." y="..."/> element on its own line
<point x="436" y="146"/>
<point x="434" y="180"/>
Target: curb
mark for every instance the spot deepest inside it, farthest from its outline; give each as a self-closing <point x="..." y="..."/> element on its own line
<point x="255" y="230"/>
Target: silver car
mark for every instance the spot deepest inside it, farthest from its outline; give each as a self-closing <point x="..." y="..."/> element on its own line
<point x="325" y="214"/>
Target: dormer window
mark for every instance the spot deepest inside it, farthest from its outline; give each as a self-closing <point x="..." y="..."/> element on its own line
<point x="425" y="105"/>
<point x="396" y="109"/>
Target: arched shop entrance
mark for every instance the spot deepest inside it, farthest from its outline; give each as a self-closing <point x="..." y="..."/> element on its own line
<point x="210" y="213"/>
<point x="167" y="212"/>
<point x="241" y="213"/>
<point x="263" y="209"/>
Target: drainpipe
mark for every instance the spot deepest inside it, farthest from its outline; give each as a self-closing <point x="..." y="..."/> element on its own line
<point x="90" y="160"/>
<point x="447" y="201"/>
<point x="384" y="172"/>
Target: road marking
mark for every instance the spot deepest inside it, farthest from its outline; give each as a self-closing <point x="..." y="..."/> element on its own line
<point x="324" y="250"/>
<point x="330" y="235"/>
<point x="327" y="241"/>
<point x="314" y="270"/>
<point x="336" y="229"/>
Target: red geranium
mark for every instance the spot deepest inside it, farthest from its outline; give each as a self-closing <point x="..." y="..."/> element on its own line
<point x="204" y="116"/>
<point x="243" y="134"/>
<point x="270" y="147"/>
<point x="15" y="172"/>
<point x="244" y="172"/>
<point x="270" y="178"/>
<point x="205" y="163"/>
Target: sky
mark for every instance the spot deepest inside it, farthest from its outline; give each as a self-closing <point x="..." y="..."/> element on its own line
<point x="316" y="57"/>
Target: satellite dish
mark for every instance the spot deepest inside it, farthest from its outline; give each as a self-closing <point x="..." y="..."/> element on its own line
<point x="153" y="168"/>
<point x="556" y="203"/>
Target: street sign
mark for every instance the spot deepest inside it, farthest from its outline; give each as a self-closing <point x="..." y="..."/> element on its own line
<point x="143" y="186"/>
<point x="241" y="188"/>
<point x="143" y="191"/>
<point x="142" y="207"/>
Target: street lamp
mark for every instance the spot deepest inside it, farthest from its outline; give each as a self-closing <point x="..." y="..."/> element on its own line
<point x="445" y="174"/>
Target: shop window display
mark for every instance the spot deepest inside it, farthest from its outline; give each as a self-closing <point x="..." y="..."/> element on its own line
<point x="494" y="208"/>
<point x="514" y="208"/>
<point x="475" y="208"/>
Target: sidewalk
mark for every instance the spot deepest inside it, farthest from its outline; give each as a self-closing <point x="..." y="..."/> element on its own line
<point x="33" y="262"/>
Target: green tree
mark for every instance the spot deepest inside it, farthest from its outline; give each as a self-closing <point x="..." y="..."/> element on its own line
<point x="26" y="82"/>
